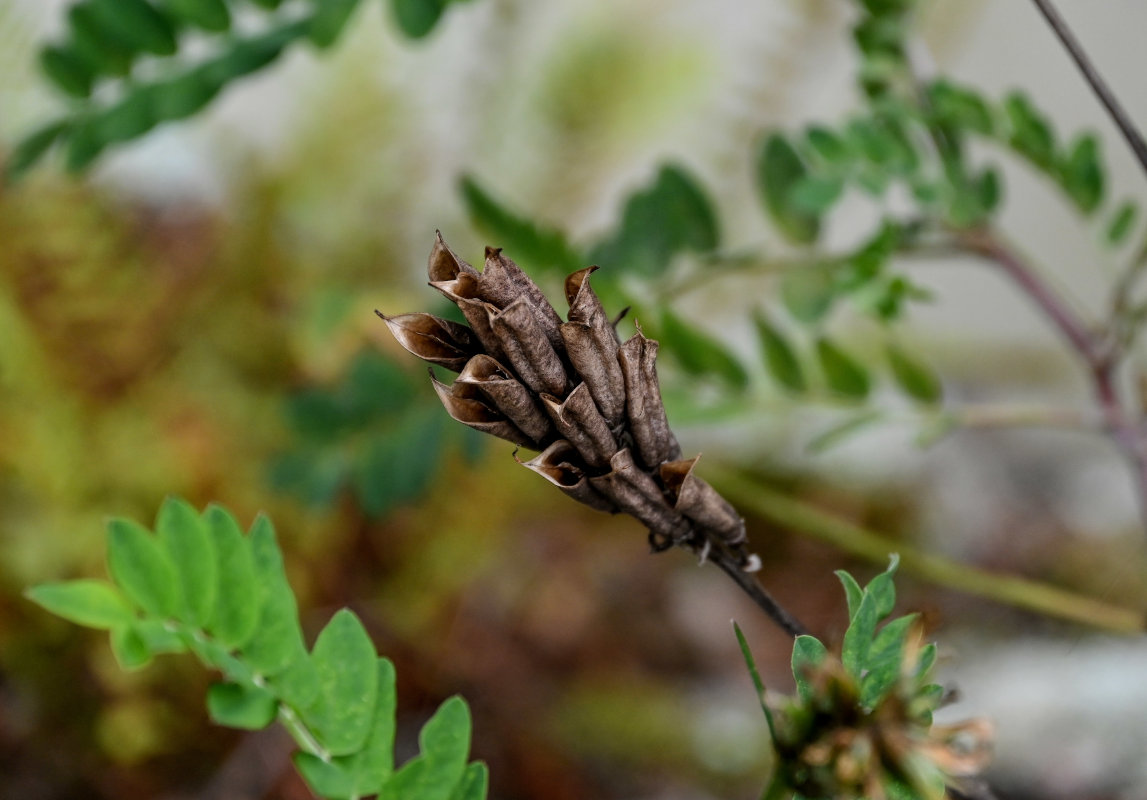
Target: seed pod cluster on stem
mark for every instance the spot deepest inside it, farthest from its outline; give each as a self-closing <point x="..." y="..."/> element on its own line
<point x="589" y="403"/>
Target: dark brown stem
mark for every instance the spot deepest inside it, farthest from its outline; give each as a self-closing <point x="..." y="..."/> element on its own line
<point x="1098" y="85"/>
<point x="1099" y="357"/>
<point x="752" y="587"/>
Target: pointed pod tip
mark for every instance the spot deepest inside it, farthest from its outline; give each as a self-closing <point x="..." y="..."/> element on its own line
<point x="493" y="252"/>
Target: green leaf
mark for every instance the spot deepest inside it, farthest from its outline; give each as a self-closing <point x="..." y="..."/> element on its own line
<point x="840" y="432"/>
<point x="136" y="23"/>
<point x="329" y="20"/>
<point x="192" y="550"/>
<point x="373" y="765"/>
<point x="960" y="107"/>
<point x="346" y="663"/>
<point x="779" y="169"/>
<point x="815" y="194"/>
<point x="327" y="779"/>
<point x="883" y="589"/>
<point x="160" y="637"/>
<point x="83" y="145"/>
<point x="536" y="247"/>
<point x="128" y="119"/>
<point x="245" y="56"/>
<point x="808" y="292"/>
<point x="95" y="604"/>
<point x="445" y="743"/>
<point x="142" y="568"/>
<point x="780" y="359"/>
<point x="852" y="591"/>
<point x="755" y="675"/>
<point x="182" y="96"/>
<point x="1081" y="173"/>
<point x="858" y="637"/>
<point x="925" y="662"/>
<point x="107" y="53"/>
<point x="298" y="685"/>
<point x="241" y="706"/>
<point x="843" y="374"/>
<point x="1121" y="222"/>
<point x="417" y="18"/>
<point x="700" y="354"/>
<point x="33" y="147"/>
<point x="808" y="654"/>
<point x="885" y="660"/>
<point x="278" y="639"/>
<point x="474" y="783"/>
<point x="1031" y="133"/>
<point x="130" y="650"/>
<point x="828" y="146"/>
<point x="917" y="380"/>
<point x="238" y="596"/>
<point x="210" y="15"/>
<point x="71" y="73"/>
<point x="400" y="464"/>
<point x="673" y="215"/>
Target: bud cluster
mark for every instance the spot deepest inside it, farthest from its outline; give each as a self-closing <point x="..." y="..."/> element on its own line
<point x="572" y="390"/>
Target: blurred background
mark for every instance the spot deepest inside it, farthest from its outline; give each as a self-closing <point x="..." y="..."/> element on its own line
<point x="195" y="317"/>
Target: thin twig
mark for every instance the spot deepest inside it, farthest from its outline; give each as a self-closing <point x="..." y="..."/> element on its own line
<point x="754" y="497"/>
<point x="752" y="587"/>
<point x="1095" y="80"/>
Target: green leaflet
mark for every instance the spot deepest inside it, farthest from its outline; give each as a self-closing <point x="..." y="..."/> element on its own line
<point x="142" y="568"/>
<point x="917" y="380"/>
<point x="278" y="639"/>
<point x="808" y="653"/>
<point x="238" y="596"/>
<point x="779" y="170"/>
<point x="347" y="672"/>
<point x="241" y="706"/>
<point x="192" y="551"/>
<point x="92" y="603"/>
<point x="842" y="373"/>
<point x="780" y="358"/>
<point x="698" y="353"/>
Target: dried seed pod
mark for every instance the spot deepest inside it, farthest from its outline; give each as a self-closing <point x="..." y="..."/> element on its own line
<point x="503" y="282"/>
<point x="643" y="407"/>
<point x="434" y="339"/>
<point x="561" y="465"/>
<point x="469" y="409"/>
<point x="444" y="264"/>
<point x="637" y="494"/>
<point x="509" y="396"/>
<point x="700" y="502"/>
<point x="591" y="345"/>
<point x="527" y="349"/>
<point x="578" y="420"/>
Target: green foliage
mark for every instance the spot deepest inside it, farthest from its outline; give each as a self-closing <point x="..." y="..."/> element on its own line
<point x="136" y="51"/>
<point x="780" y="358"/>
<point x="780" y="174"/>
<point x="671" y="216"/>
<point x="372" y="433"/>
<point x="844" y="375"/>
<point x="916" y="379"/>
<point x="699" y="353"/>
<point x="337" y="700"/>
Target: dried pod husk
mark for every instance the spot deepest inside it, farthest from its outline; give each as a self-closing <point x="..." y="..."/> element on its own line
<point x="439" y="341"/>
<point x="478" y="314"/>
<point x="444" y="265"/>
<point x="464" y="404"/>
<point x="561" y="465"/>
<point x="578" y="420"/>
<point x="700" y="502"/>
<point x="647" y="421"/>
<point x="636" y="493"/>
<point x="591" y="346"/>
<point x="502" y="282"/>
<point x="527" y="349"/>
<point x="509" y="396"/>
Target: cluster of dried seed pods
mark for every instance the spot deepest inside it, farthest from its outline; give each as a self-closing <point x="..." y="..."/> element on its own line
<point x="572" y="390"/>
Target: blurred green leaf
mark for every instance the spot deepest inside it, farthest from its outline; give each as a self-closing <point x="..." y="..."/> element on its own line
<point x="882" y="588"/>
<point x="808" y="654"/>
<point x="815" y="194"/>
<point x="536" y="247"/>
<point x="960" y="107"/>
<point x="130" y="650"/>
<point x="142" y="568"/>
<point x="136" y="23"/>
<point x="885" y="660"/>
<point x="128" y="119"/>
<point x="1031" y="133"/>
<point x="808" y="292"/>
<point x="881" y="36"/>
<point x="673" y="215"/>
<point x="828" y="146"/>
<point x="329" y="19"/>
<point x="345" y="660"/>
<point x="242" y="706"/>
<point x="417" y="18"/>
<point x="779" y="170"/>
<point x="843" y="430"/>
<point x="1121" y="222"/>
<point x="160" y="636"/>
<point x="71" y="73"/>
<point x="95" y="604"/>
<point x="182" y="96"/>
<point x="327" y="779"/>
<point x="698" y="353"/>
<point x="398" y="464"/>
<point x="474" y="783"/>
<point x="237" y="594"/>
<point x="780" y="359"/>
<point x="210" y="15"/>
<point x="33" y="147"/>
<point x="843" y="374"/>
<point x="917" y="380"/>
<point x="1081" y="173"/>
<point x="100" y="47"/>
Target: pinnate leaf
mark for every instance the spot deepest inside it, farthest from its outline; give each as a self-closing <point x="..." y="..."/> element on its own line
<point x="95" y="604"/>
<point x="142" y="568"/>
<point x="129" y="648"/>
<point x="186" y="537"/>
<point x="885" y="660"/>
<point x="238" y="596"/>
<point x="345" y="660"/>
<point x="779" y="170"/>
<point x="780" y="358"/>
<point x="700" y="354"/>
<point x="243" y="706"/>
<point x="844" y="375"/>
<point x="278" y="639"/>
<point x="808" y="653"/>
<point x="1122" y="222"/>
<point x="917" y="380"/>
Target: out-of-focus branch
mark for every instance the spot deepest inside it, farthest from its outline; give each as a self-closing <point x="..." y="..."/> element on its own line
<point x="754" y="497"/>
<point x="1095" y="80"/>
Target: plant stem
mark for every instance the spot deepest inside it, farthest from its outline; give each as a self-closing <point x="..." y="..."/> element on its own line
<point x="754" y="497"/>
<point x="752" y="587"/>
<point x="1095" y="80"/>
